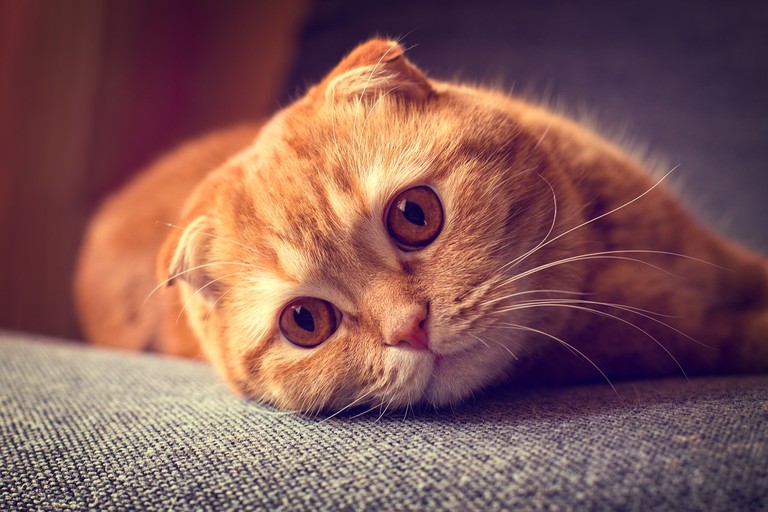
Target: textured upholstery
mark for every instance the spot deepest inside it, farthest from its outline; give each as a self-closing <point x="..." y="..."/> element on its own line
<point x="83" y="428"/>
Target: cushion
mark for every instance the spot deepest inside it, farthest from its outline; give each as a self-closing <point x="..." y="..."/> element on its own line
<point x="84" y="428"/>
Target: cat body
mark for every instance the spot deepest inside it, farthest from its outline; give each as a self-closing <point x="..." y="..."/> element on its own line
<point x="393" y="240"/>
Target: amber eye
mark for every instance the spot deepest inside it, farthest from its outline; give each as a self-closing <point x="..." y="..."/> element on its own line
<point x="307" y="322"/>
<point x="415" y="218"/>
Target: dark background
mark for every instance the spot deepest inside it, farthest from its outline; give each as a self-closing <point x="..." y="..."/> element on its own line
<point x="90" y="91"/>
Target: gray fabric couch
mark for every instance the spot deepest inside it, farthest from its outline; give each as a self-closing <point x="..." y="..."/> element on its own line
<point x="90" y="429"/>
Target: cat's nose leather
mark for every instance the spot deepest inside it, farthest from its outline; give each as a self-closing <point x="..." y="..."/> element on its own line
<point x="412" y="330"/>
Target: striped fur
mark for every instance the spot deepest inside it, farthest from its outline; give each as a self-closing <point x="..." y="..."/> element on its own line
<point x="298" y="211"/>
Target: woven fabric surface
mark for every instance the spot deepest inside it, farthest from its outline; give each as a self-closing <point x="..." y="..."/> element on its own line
<point x="89" y="429"/>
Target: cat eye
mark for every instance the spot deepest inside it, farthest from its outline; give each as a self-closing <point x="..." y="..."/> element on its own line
<point x="307" y="322"/>
<point x="414" y="218"/>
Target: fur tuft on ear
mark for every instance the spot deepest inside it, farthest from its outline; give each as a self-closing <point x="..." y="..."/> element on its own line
<point x="183" y="255"/>
<point x="376" y="67"/>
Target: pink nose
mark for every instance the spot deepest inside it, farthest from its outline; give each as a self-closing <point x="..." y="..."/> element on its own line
<point x="412" y="330"/>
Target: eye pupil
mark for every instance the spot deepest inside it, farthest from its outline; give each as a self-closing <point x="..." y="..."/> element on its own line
<point x="412" y="212"/>
<point x="303" y="318"/>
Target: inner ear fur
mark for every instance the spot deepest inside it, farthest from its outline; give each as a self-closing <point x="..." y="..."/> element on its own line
<point x="184" y="254"/>
<point x="375" y="68"/>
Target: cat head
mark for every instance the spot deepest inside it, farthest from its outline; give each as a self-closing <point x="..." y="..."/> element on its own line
<point x="360" y="251"/>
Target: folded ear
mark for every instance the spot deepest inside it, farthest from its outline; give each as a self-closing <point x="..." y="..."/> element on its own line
<point x="184" y="255"/>
<point x="375" y="68"/>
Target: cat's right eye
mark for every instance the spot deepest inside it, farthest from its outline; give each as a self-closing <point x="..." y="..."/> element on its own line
<point x="307" y="321"/>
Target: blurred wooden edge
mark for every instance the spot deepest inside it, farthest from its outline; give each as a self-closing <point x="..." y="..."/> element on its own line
<point x="79" y="83"/>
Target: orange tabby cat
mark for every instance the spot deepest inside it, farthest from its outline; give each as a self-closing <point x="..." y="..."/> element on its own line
<point x="391" y="239"/>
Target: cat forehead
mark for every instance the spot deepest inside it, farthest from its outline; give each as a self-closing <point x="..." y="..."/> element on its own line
<point x="320" y="178"/>
<point x="321" y="227"/>
<point x="316" y="174"/>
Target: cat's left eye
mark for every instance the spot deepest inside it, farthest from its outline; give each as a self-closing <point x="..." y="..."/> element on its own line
<point x="307" y="321"/>
<point x="414" y="218"/>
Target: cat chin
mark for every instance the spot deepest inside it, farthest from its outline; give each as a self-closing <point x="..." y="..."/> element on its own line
<point x="441" y="378"/>
<point x="458" y="376"/>
<point x="408" y="374"/>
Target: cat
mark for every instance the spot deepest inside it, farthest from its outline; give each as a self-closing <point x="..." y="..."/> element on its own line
<point x="393" y="240"/>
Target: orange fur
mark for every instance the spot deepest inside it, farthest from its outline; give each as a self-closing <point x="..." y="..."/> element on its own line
<point x="297" y="211"/>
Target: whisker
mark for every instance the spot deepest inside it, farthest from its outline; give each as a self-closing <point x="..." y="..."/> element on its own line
<point x="386" y="408"/>
<point x="346" y="407"/>
<point x="502" y="345"/>
<point x="627" y="322"/>
<point x="478" y="338"/>
<point x="206" y="285"/>
<point x="408" y="405"/>
<point x="373" y="107"/>
<point x="610" y="255"/>
<point x="624" y="307"/>
<point x="546" y="131"/>
<point x="567" y="345"/>
<point x="642" y="313"/>
<point x="526" y="292"/>
<point x="549" y="232"/>
<point x="402" y="38"/>
<point x="205" y="321"/>
<point x="367" y="83"/>
<point x="171" y="278"/>
<point x="606" y="213"/>
<point x="365" y="411"/>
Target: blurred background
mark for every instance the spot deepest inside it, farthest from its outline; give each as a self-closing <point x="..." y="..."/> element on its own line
<point x="92" y="91"/>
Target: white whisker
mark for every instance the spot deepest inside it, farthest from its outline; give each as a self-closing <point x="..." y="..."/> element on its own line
<point x="546" y="131"/>
<point x="373" y="107"/>
<point x="502" y="345"/>
<point x="205" y="322"/>
<point x="606" y="213"/>
<point x="609" y="255"/>
<point x="643" y="313"/>
<point x="386" y="408"/>
<point x="192" y="269"/>
<point x="366" y="411"/>
<point x="625" y="307"/>
<point x="608" y="315"/>
<point x="527" y="292"/>
<point x="206" y="285"/>
<point x="567" y="345"/>
<point x="346" y="407"/>
<point x="367" y="83"/>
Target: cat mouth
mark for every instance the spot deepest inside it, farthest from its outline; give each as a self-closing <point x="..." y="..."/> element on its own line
<point x="433" y="376"/>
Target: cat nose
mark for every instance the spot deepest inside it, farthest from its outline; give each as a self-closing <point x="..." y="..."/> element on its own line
<point x="412" y="330"/>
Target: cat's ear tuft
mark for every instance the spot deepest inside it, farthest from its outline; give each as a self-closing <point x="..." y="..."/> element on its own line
<point x="184" y="254"/>
<point x="375" y="68"/>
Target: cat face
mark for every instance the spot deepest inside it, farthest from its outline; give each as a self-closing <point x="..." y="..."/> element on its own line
<point x="360" y="252"/>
